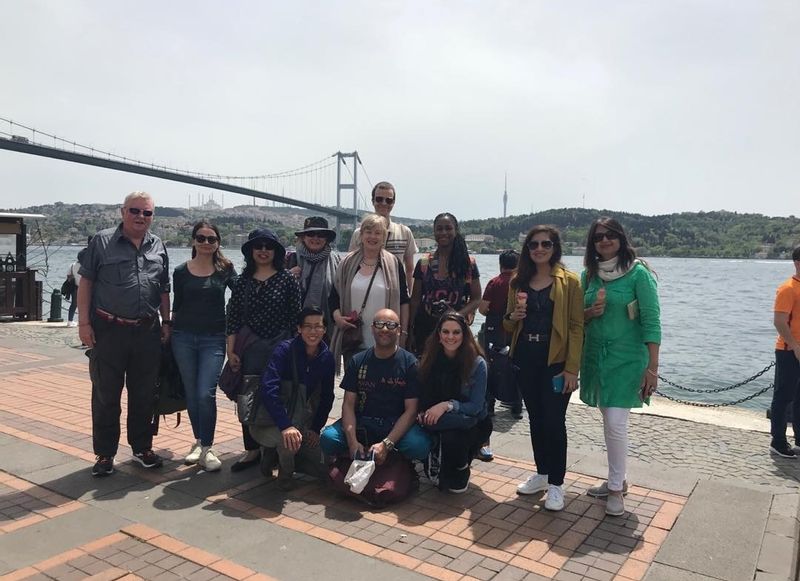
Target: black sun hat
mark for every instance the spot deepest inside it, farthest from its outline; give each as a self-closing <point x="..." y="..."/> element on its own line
<point x="317" y="224"/>
<point x="263" y="235"/>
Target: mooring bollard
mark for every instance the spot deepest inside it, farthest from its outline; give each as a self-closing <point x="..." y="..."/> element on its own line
<point x="55" y="307"/>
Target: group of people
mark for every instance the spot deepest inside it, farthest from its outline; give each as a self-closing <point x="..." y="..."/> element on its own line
<point x="415" y="378"/>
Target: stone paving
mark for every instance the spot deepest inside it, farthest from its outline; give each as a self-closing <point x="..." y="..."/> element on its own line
<point x="706" y="449"/>
<point x="487" y="533"/>
<point x="137" y="552"/>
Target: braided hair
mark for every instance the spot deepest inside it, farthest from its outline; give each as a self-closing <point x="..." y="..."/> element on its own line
<point x="459" y="264"/>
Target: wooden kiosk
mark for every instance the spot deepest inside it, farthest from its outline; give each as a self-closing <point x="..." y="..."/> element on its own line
<point x="20" y="294"/>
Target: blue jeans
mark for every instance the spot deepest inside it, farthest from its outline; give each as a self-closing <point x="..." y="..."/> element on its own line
<point x="200" y="359"/>
<point x="786" y="394"/>
<point x="415" y="444"/>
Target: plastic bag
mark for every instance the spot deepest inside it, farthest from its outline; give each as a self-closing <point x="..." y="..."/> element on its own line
<point x="359" y="473"/>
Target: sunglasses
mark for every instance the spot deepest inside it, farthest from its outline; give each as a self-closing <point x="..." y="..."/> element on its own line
<point x="315" y="235"/>
<point x="382" y="200"/>
<point x="609" y="235"/>
<point x="310" y="327"/>
<point x="210" y="239"/>
<point x="545" y="244"/>
<point x="263" y="246"/>
<point x="391" y="325"/>
<point x="137" y="211"/>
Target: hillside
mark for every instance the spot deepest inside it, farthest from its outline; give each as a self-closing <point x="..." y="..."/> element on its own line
<point x="704" y="234"/>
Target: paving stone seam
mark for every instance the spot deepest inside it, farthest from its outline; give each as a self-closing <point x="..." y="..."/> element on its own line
<point x="151" y="537"/>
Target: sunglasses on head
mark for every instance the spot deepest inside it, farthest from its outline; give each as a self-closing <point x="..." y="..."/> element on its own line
<point x="391" y="325"/>
<point x="382" y="200"/>
<point x="545" y="244"/>
<point x="609" y="235"/>
<point x="137" y="211"/>
<point x="210" y="239"/>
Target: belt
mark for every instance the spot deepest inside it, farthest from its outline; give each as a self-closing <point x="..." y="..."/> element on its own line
<point x="534" y="338"/>
<point x="122" y="321"/>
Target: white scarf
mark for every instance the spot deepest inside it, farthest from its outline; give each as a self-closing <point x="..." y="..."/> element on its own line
<point x="609" y="270"/>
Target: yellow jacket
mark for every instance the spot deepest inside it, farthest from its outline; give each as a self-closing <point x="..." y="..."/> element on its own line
<point x="566" y="338"/>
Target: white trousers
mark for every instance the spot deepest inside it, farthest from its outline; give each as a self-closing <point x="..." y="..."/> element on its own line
<point x="615" y="430"/>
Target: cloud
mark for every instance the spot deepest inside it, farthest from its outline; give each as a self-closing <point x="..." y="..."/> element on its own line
<point x="646" y="107"/>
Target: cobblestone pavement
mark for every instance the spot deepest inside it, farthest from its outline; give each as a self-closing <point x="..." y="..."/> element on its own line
<point x="706" y="449"/>
<point x="709" y="450"/>
<point x="486" y="533"/>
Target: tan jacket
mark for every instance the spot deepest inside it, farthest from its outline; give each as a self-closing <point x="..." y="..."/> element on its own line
<point x="566" y="338"/>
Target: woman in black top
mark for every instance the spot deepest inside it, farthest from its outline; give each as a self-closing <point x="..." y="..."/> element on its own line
<point x="198" y="338"/>
<point x="452" y="377"/>
<point x="266" y="300"/>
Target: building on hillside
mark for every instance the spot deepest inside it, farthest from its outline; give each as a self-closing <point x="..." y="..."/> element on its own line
<point x="479" y="238"/>
<point x="426" y="244"/>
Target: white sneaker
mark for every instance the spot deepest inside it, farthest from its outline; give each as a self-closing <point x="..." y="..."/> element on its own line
<point x="555" y="498"/>
<point x="72" y="324"/>
<point x="208" y="460"/>
<point x="194" y="454"/>
<point x="534" y="484"/>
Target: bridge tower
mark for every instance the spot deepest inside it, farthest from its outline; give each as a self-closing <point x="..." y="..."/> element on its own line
<point x="340" y="161"/>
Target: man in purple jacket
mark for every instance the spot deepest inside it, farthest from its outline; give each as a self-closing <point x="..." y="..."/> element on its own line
<point x="295" y="436"/>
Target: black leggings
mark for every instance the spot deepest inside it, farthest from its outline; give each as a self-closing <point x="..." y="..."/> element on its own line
<point x="547" y="410"/>
<point x="460" y="446"/>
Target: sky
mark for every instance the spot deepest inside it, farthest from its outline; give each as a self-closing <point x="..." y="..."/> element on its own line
<point x="647" y="107"/>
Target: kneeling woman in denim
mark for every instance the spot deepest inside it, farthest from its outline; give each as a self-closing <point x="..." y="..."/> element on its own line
<point x="453" y="398"/>
<point x="198" y="338"/>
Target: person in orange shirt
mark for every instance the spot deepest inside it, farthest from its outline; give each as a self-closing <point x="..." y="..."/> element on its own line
<point x="787" y="363"/>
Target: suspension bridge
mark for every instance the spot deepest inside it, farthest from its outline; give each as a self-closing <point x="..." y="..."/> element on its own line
<point x="310" y="187"/>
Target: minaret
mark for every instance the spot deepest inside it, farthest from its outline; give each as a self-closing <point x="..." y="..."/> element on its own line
<point x="505" y="195"/>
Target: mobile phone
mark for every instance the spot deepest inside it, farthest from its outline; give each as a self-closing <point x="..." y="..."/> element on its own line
<point x="558" y="383"/>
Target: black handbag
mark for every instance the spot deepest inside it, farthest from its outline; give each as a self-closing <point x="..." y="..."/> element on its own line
<point x="169" y="390"/>
<point x="293" y="396"/>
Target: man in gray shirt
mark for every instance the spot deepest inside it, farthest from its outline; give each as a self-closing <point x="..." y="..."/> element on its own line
<point x="124" y="286"/>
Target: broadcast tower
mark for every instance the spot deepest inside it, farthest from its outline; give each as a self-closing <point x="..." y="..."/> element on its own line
<point x="505" y="195"/>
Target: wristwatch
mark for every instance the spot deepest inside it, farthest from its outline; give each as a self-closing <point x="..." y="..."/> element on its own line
<point x="450" y="406"/>
<point x="388" y="443"/>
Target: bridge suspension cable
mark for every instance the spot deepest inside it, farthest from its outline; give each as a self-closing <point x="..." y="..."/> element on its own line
<point x="297" y="181"/>
<point x="303" y="170"/>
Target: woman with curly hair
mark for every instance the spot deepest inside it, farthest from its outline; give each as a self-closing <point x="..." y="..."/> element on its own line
<point x="623" y="334"/>
<point x="545" y="315"/>
<point x="447" y="279"/>
<point x="452" y="377"/>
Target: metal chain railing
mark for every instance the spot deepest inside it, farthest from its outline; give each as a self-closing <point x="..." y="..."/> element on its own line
<point x="717" y="390"/>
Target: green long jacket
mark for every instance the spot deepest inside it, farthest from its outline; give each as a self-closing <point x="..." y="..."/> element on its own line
<point x="615" y="352"/>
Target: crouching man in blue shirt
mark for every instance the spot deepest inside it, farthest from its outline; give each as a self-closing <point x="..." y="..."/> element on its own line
<point x="380" y="400"/>
<point x="306" y="363"/>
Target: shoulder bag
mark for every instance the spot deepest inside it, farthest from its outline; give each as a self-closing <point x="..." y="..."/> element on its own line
<point x="351" y="337"/>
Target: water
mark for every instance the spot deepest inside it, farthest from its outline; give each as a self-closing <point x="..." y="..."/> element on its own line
<point x="716" y="316"/>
